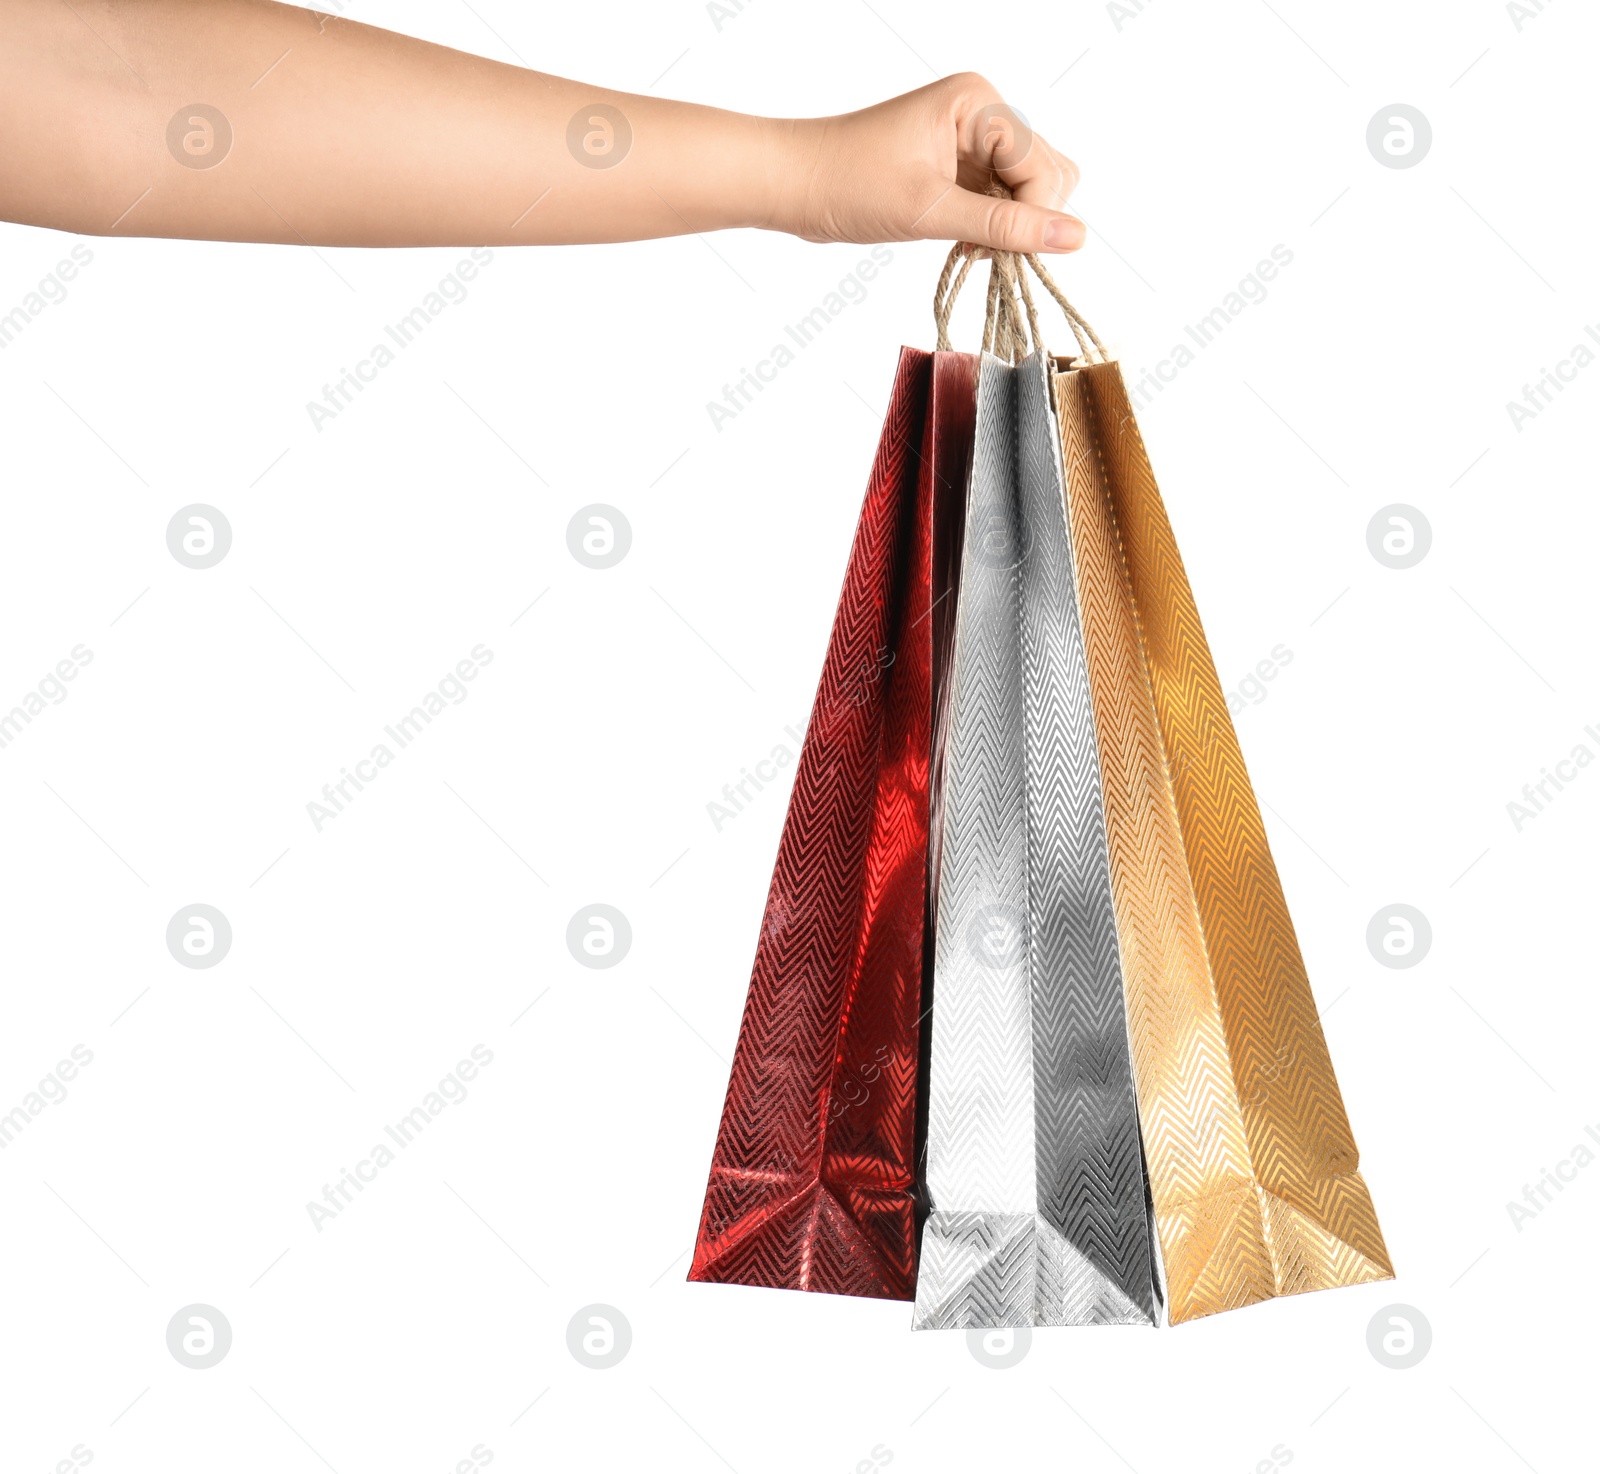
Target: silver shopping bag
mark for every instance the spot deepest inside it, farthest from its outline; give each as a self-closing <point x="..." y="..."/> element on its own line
<point x="1038" y="1213"/>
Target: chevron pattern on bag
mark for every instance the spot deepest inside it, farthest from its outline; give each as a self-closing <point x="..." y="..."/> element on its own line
<point x="1090" y="1168"/>
<point x="1034" y="1171"/>
<point x="1253" y="1169"/>
<point x="812" y="1180"/>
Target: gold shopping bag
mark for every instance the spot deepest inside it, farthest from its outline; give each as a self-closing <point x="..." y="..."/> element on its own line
<point x="1253" y="1170"/>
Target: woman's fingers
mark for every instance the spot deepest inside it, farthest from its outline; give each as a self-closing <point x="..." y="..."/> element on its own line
<point x="1045" y="177"/>
<point x="994" y="140"/>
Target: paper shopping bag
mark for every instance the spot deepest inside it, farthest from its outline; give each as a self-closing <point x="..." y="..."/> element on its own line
<point x="1253" y="1169"/>
<point x="812" y="1183"/>
<point x="1038" y="1212"/>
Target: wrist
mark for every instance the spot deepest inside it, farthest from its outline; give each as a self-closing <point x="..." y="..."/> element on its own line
<point x="786" y="152"/>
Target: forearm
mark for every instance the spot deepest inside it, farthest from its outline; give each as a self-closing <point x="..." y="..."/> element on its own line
<point x="344" y="134"/>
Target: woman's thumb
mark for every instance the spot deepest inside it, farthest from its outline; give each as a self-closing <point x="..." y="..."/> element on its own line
<point x="1000" y="224"/>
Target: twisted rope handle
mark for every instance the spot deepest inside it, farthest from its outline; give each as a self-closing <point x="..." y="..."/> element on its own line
<point x="1003" y="331"/>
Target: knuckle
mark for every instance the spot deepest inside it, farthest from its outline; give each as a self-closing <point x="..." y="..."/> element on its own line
<point x="967" y="88"/>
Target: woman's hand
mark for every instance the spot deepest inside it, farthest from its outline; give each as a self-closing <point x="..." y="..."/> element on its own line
<point x="916" y="167"/>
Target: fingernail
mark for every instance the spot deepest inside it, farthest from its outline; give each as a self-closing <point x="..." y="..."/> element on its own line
<point x="1064" y="234"/>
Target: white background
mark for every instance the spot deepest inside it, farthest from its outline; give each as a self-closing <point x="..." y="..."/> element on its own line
<point x="429" y="917"/>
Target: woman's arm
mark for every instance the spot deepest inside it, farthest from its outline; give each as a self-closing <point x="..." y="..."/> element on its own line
<point x="251" y="121"/>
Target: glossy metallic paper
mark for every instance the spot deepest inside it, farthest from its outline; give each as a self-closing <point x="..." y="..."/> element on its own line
<point x="812" y="1184"/>
<point x="1253" y="1169"/>
<point x="1034" y="1177"/>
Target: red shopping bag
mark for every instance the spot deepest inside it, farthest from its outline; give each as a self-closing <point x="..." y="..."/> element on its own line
<point x="813" y="1181"/>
